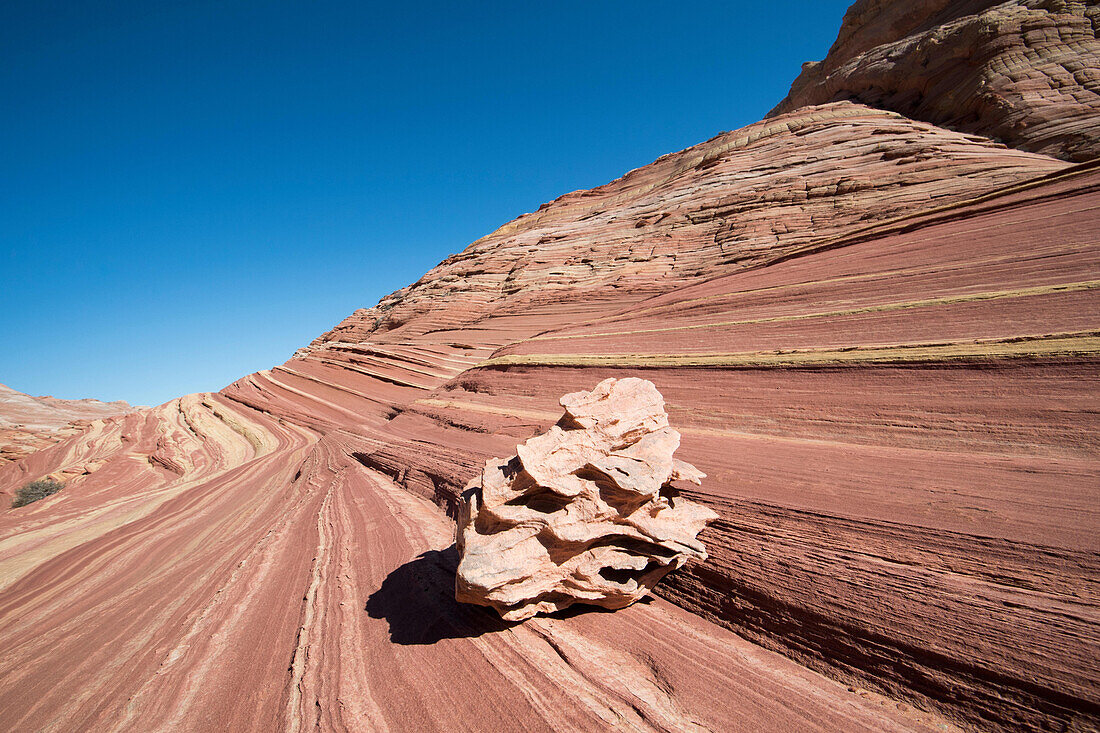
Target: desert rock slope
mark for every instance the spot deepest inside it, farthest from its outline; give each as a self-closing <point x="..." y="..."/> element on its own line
<point x="875" y="321"/>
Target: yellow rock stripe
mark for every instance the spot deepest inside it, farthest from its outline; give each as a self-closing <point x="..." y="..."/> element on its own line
<point x="1086" y="343"/>
<point x="903" y="305"/>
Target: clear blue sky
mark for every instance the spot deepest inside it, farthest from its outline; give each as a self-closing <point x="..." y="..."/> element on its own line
<point x="189" y="191"/>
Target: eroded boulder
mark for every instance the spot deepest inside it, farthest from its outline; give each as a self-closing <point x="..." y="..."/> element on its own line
<point x="584" y="513"/>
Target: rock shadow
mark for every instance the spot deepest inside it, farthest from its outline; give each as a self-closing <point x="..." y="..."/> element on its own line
<point x="587" y="609"/>
<point x="418" y="601"/>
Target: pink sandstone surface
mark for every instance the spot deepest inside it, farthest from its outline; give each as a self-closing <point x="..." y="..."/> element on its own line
<point x="878" y="337"/>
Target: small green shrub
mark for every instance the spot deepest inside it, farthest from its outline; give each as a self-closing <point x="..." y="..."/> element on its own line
<point x="36" y="490"/>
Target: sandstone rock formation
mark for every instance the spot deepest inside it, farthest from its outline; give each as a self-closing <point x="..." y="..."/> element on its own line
<point x="584" y="513"/>
<point x="879" y="339"/>
<point x="1026" y="72"/>
<point x="30" y="423"/>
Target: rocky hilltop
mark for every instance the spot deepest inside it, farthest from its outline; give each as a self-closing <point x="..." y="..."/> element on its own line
<point x="30" y="423"/>
<point x="1026" y="72"/>
<point x="876" y="332"/>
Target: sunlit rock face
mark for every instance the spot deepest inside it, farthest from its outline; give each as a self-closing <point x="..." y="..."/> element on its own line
<point x="584" y="513"/>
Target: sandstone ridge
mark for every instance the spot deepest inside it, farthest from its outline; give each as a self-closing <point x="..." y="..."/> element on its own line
<point x="584" y="513"/>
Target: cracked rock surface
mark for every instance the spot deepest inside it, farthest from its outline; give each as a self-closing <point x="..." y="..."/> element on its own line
<point x="584" y="513"/>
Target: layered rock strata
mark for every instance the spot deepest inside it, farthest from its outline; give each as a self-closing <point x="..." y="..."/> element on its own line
<point x="584" y="513"/>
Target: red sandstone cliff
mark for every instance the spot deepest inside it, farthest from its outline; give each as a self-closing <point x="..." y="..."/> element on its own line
<point x="878" y="337"/>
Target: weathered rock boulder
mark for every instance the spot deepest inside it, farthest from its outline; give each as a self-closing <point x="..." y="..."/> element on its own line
<point x="584" y="513"/>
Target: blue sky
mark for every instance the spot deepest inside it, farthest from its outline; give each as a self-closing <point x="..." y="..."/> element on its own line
<point x="192" y="190"/>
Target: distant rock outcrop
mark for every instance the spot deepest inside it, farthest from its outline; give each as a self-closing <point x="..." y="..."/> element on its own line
<point x="584" y="513"/>
<point x="28" y="424"/>
<point x="1026" y="72"/>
